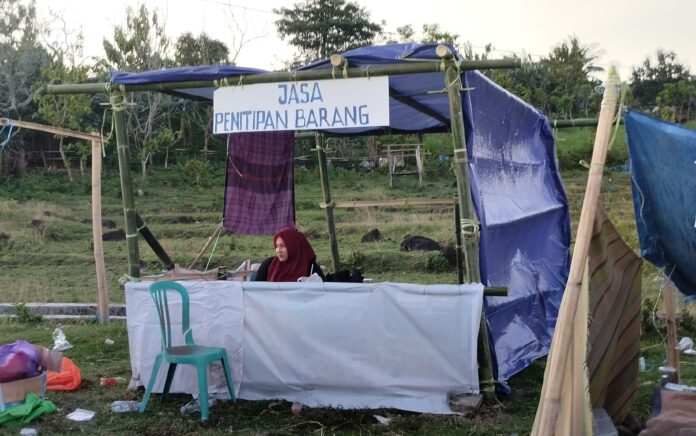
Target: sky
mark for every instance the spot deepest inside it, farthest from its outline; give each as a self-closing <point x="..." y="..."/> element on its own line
<point x="621" y="32"/>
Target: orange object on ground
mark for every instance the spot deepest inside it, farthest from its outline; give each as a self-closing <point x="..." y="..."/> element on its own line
<point x="68" y="379"/>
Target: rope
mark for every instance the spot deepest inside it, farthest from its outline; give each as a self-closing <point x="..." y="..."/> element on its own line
<point x="9" y="126"/>
<point x="622" y="104"/>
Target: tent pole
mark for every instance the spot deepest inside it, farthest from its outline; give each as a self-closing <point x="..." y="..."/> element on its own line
<point x="550" y="403"/>
<point x="670" y="313"/>
<point x="118" y="104"/>
<point x="458" y="245"/>
<point x="102" y="298"/>
<point x="469" y="222"/>
<point x="328" y="203"/>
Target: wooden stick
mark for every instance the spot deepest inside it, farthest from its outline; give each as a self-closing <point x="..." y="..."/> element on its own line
<point x="670" y="312"/>
<point x="50" y="129"/>
<point x="207" y="244"/>
<point x="400" y="202"/>
<point x="549" y="405"/>
<point x="102" y="298"/>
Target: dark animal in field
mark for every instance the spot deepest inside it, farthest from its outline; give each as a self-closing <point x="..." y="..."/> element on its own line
<point x="109" y="224"/>
<point x="450" y="253"/>
<point x="411" y="243"/>
<point x="116" y="235"/>
<point x="371" y="236"/>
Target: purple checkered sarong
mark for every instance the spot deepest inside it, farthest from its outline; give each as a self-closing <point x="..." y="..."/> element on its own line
<point x="259" y="186"/>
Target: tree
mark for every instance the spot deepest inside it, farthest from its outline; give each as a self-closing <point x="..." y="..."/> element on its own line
<point x="21" y="56"/>
<point x="201" y="50"/>
<point x="21" y="60"/>
<point x="69" y="111"/>
<point x="433" y="33"/>
<point x="141" y="45"/>
<point x="650" y="78"/>
<point x="320" y="28"/>
<point x="677" y="100"/>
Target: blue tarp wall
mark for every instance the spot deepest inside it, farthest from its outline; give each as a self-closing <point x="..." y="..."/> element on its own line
<point x="662" y="158"/>
<point x="517" y="191"/>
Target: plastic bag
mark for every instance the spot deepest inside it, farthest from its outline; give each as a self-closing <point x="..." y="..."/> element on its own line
<point x="59" y="341"/>
<point x="18" y="360"/>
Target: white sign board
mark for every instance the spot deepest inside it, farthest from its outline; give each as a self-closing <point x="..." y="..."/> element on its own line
<point x="302" y="105"/>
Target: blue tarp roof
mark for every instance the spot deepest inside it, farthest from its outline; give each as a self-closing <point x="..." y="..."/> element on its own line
<point x="516" y="187"/>
<point x="662" y="157"/>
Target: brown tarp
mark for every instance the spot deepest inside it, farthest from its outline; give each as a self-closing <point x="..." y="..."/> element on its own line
<point x="614" y="323"/>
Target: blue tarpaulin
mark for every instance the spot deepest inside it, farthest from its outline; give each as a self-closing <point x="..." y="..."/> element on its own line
<point x="662" y="159"/>
<point x="516" y="188"/>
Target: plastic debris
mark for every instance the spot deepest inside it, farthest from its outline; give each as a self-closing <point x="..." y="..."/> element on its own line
<point x="81" y="415"/>
<point x="686" y="343"/>
<point x="110" y="381"/>
<point x="296" y="408"/>
<point x="59" y="341"/>
<point x="194" y="406"/>
<point x="28" y="431"/>
<point x="121" y="406"/>
<point x="382" y="420"/>
<point x="641" y="364"/>
<point x="109" y="342"/>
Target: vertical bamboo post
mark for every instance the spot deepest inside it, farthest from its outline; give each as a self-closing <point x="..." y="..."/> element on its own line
<point x="118" y="102"/>
<point x="328" y="203"/>
<point x="102" y="298"/>
<point x="670" y="313"/>
<point x="549" y="404"/>
<point x="468" y="220"/>
<point x="458" y="246"/>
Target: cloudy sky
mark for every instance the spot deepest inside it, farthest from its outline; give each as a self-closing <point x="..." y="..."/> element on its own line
<point x="621" y="32"/>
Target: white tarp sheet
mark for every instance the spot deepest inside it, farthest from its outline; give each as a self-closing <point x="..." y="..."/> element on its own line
<point x="325" y="344"/>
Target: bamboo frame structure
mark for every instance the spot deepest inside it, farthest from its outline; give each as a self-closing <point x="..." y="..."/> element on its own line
<point x="447" y="64"/>
<point x="328" y="204"/>
<point x="469" y="223"/>
<point x="550" y="403"/>
<point x="118" y="102"/>
<point x="668" y="290"/>
<point x="96" y="142"/>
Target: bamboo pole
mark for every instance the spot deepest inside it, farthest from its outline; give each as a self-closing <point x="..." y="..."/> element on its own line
<point x="670" y="313"/>
<point x="153" y="242"/>
<point x="211" y="238"/>
<point x="458" y="246"/>
<point x="50" y="129"/>
<point x="549" y="405"/>
<point x="102" y="296"/>
<point x="469" y="223"/>
<point x="118" y="103"/>
<point x="420" y="66"/>
<point x="328" y="204"/>
<point x="392" y="203"/>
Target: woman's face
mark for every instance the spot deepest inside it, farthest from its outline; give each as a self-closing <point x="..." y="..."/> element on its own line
<point x="281" y="250"/>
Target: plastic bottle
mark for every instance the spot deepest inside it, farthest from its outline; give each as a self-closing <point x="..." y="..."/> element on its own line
<point x="193" y="406"/>
<point x="124" y="406"/>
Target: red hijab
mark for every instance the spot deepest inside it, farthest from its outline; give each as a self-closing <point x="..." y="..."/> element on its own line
<point x="300" y="255"/>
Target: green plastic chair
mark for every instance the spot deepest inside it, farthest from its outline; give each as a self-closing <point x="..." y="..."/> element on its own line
<point x="190" y="354"/>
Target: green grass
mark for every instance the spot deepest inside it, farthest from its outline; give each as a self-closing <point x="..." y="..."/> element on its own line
<point x="53" y="262"/>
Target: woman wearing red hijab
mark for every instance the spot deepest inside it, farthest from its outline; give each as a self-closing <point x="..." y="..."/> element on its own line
<point x="294" y="258"/>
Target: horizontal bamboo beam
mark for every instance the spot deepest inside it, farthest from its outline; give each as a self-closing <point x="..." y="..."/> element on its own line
<point x="421" y="66"/>
<point x="495" y="291"/>
<point x="402" y="202"/>
<point x="577" y="122"/>
<point x="50" y="129"/>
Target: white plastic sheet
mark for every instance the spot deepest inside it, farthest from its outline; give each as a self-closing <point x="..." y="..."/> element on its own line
<point x="326" y="344"/>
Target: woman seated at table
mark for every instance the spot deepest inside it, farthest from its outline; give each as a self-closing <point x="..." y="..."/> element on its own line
<point x="294" y="258"/>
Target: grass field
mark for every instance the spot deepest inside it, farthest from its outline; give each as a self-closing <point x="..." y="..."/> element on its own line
<point x="46" y="255"/>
